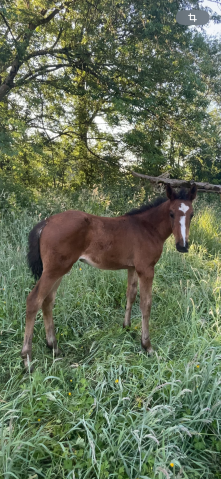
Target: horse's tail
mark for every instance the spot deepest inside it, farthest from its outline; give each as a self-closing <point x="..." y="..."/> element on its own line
<point x="34" y="255"/>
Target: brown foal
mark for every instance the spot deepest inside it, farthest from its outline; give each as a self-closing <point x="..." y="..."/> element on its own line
<point x="133" y="242"/>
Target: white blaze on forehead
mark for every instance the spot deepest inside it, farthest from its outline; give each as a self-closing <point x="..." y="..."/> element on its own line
<point x="184" y="208"/>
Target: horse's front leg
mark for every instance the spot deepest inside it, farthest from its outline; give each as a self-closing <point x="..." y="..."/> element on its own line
<point x="145" y="282"/>
<point x="131" y="294"/>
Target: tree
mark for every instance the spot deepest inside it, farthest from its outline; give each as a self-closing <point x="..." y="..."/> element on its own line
<point x="63" y="64"/>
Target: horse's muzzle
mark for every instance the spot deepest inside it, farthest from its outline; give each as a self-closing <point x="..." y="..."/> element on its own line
<point x="182" y="249"/>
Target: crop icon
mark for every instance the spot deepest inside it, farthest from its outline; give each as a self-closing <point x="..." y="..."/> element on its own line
<point x="192" y="17"/>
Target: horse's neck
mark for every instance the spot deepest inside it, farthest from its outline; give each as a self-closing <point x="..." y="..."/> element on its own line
<point x="159" y="217"/>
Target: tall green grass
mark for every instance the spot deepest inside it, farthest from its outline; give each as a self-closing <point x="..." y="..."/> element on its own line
<point x="105" y="409"/>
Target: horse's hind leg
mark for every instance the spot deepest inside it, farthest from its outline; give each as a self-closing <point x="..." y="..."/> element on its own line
<point x="146" y="281"/>
<point x="131" y="294"/>
<point x="34" y="303"/>
<point x="47" y="307"/>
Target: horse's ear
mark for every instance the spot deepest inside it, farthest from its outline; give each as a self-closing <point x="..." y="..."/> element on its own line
<point x="171" y="194"/>
<point x="192" y="192"/>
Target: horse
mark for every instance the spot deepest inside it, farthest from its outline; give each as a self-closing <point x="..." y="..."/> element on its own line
<point x="133" y="241"/>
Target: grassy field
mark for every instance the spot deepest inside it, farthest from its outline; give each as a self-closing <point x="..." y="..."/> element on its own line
<point x="106" y="410"/>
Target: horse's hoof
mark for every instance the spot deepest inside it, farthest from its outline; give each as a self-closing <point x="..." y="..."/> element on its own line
<point x="149" y="350"/>
<point x="58" y="352"/>
<point x="126" y="326"/>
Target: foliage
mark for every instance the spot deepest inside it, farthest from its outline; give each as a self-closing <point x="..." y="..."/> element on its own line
<point x="64" y="66"/>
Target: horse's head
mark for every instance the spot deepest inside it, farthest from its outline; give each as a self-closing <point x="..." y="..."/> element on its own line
<point x="181" y="213"/>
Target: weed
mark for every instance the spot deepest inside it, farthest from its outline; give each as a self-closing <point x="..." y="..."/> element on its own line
<point x="106" y="410"/>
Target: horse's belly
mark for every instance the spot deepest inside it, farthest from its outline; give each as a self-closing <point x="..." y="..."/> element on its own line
<point x="107" y="264"/>
<point x="88" y="260"/>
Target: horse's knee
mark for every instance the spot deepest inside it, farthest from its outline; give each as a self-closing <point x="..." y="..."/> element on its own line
<point x="132" y="292"/>
<point x="47" y="305"/>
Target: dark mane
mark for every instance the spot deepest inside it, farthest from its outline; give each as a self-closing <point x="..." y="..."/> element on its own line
<point x="181" y="195"/>
<point x="152" y="204"/>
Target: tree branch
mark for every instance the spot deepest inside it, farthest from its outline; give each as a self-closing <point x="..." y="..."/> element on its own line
<point x="52" y="14"/>
<point x="46" y="51"/>
<point x="58" y="37"/>
<point x="8" y="84"/>
<point x="8" y="26"/>
<point x="44" y="69"/>
<point x="43" y="21"/>
<point x="94" y="154"/>
<point x="204" y="187"/>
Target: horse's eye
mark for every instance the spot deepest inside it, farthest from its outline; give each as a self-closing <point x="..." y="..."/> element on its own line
<point x="171" y="214"/>
<point x="191" y="216"/>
